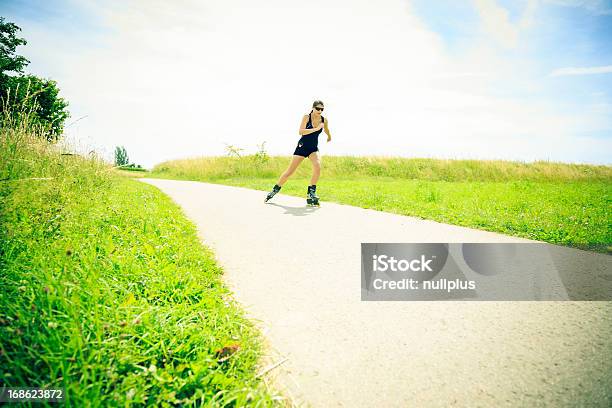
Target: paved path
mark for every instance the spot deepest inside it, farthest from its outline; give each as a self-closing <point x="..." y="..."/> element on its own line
<point x="297" y="270"/>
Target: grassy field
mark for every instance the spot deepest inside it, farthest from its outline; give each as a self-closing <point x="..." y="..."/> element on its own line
<point x="565" y="204"/>
<point x="108" y="292"/>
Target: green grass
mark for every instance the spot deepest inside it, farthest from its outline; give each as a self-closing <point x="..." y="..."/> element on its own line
<point x="128" y="168"/>
<point x="108" y="292"/>
<point x="564" y="204"/>
<point x="129" y="173"/>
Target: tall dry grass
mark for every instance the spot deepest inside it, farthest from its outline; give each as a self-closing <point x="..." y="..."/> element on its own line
<point x="26" y="156"/>
<point x="253" y="166"/>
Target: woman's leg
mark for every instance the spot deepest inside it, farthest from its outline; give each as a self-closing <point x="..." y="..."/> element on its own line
<point x="295" y="162"/>
<point x="316" y="167"/>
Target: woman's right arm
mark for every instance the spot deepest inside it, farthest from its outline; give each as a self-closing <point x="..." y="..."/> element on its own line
<point x="303" y="130"/>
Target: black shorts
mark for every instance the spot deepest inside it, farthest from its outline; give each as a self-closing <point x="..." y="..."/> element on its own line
<point x="305" y="149"/>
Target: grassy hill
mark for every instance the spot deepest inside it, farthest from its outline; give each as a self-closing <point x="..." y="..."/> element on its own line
<point x="108" y="292"/>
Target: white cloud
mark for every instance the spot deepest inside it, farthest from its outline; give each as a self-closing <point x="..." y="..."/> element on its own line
<point x="496" y="21"/>
<point x="582" y="71"/>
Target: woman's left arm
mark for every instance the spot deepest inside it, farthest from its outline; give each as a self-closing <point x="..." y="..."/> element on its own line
<point x="326" y="130"/>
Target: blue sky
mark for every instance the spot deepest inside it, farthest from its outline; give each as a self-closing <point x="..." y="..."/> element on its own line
<point x="564" y="34"/>
<point x="520" y="79"/>
<point x="68" y="17"/>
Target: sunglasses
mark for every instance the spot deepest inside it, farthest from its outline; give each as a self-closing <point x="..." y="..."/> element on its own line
<point x="319" y="109"/>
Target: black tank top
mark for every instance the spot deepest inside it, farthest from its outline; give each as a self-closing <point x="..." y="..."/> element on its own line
<point x="309" y="126"/>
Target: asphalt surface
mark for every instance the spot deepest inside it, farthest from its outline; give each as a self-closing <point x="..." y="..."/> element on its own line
<point x="296" y="271"/>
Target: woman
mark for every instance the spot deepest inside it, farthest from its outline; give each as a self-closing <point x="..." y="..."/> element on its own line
<point x="311" y="127"/>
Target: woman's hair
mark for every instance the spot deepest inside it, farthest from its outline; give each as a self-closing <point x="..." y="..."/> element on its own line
<point x="315" y="103"/>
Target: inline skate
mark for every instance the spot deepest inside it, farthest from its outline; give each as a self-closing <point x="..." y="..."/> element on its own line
<point x="312" y="198"/>
<point x="271" y="194"/>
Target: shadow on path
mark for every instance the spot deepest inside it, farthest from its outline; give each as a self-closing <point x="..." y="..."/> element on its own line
<point x="296" y="211"/>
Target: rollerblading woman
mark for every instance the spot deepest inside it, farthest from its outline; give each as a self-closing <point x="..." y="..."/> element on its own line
<point x="311" y="127"/>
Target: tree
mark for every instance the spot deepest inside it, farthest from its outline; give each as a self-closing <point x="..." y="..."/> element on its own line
<point x="28" y="93"/>
<point x="121" y="156"/>
<point x="39" y="96"/>
<point x="9" y="41"/>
